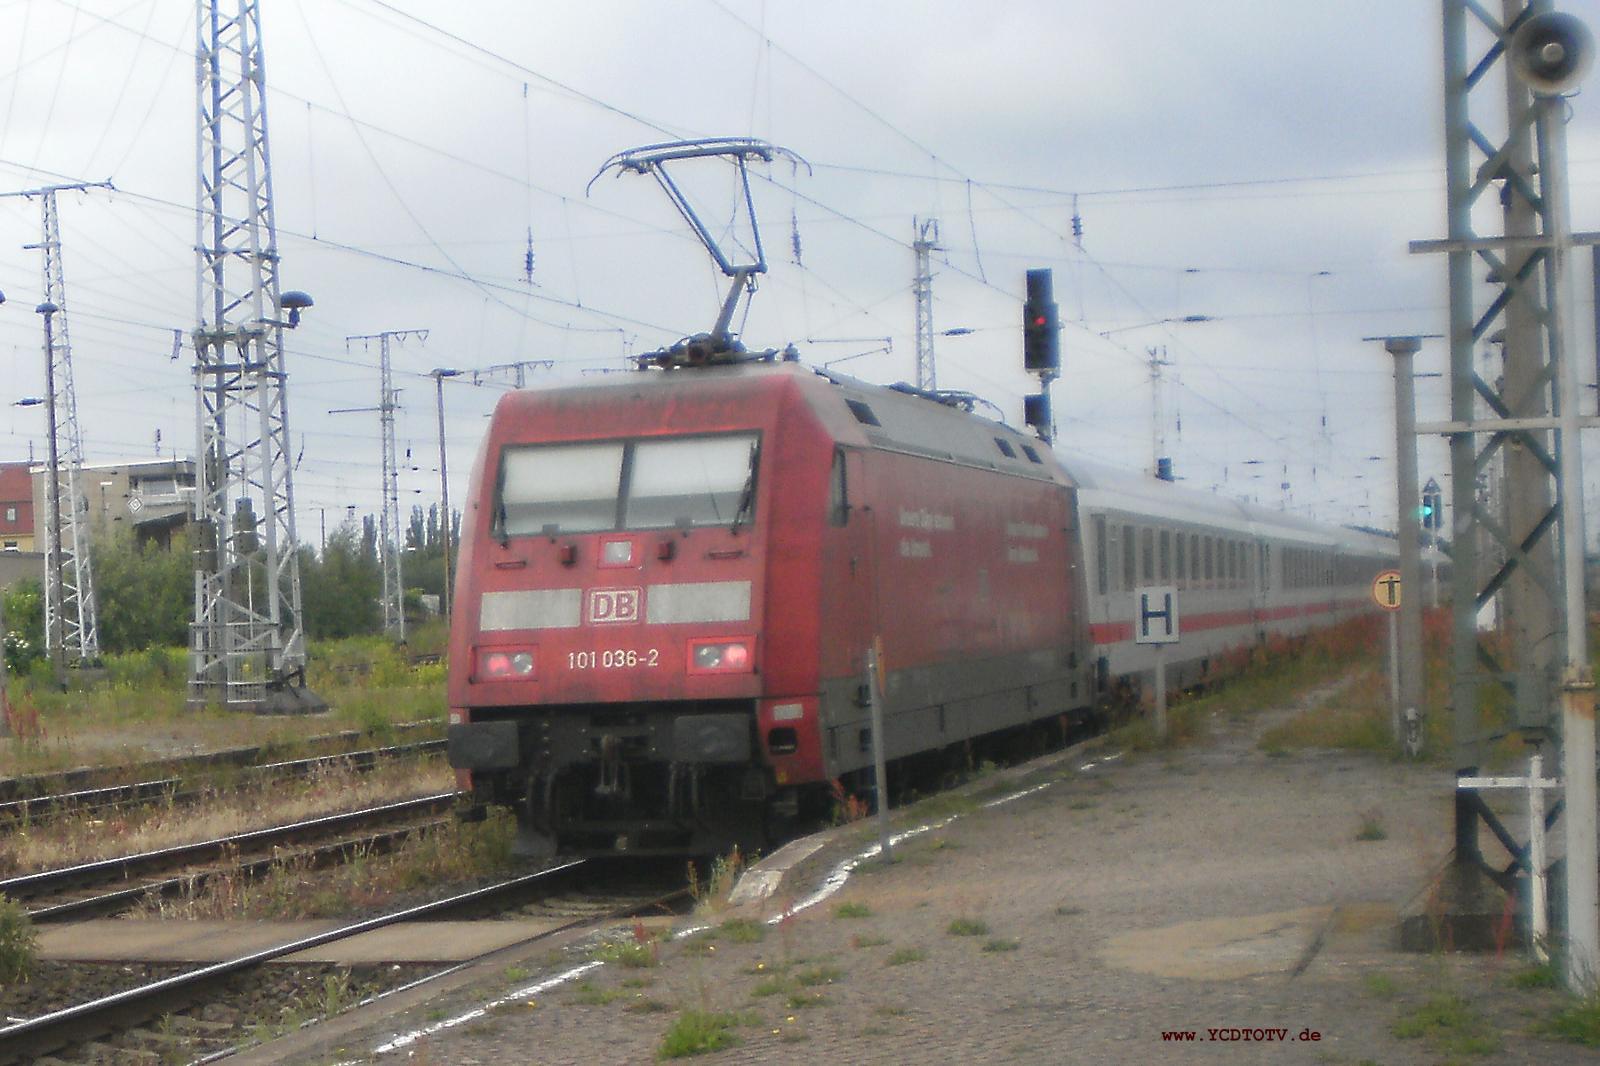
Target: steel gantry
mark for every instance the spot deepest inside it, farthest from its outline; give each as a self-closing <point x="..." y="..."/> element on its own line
<point x="71" y="628"/>
<point x="390" y="549"/>
<point x="247" y="643"/>
<point x="1528" y="555"/>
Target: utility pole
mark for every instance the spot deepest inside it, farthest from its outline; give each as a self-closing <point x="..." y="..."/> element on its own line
<point x="71" y="621"/>
<point x="389" y="547"/>
<point x="1541" y="55"/>
<point x="923" y="245"/>
<point x="1408" y="712"/>
<point x="247" y="641"/>
<point x="439" y="374"/>
<point x="1158" y="418"/>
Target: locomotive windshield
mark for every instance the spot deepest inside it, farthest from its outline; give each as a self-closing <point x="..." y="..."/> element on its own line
<point x="649" y="483"/>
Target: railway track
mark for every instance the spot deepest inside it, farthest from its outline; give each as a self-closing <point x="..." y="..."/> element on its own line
<point x="218" y="856"/>
<point x="124" y="1019"/>
<point x="90" y="778"/>
<point x="37" y="809"/>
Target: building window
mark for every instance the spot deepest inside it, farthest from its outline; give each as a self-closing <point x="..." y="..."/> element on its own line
<point x="11" y="514"/>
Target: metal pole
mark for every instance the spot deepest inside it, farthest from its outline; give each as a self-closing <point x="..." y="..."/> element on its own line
<point x="1394" y="671"/>
<point x="1577" y="683"/>
<point x="1538" y="921"/>
<point x="1404" y="349"/>
<point x="880" y="775"/>
<point x="1161" y="692"/>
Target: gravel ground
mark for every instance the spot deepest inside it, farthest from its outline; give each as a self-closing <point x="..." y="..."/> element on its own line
<point x="1211" y="888"/>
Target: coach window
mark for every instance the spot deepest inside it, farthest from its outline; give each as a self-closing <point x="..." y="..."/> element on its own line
<point x="1130" y="577"/>
<point x="1102" y="569"/>
<point x="1147" y="555"/>
<point x="1166" y="556"/>
<point x="1205" y="550"/>
<point x="1181" y="541"/>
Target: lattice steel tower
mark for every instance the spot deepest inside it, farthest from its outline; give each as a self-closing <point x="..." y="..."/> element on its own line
<point x="924" y="244"/>
<point x="247" y="643"/>
<point x="70" y="622"/>
<point x="390" y="549"/>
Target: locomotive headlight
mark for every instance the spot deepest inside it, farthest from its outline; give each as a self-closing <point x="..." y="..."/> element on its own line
<point x="720" y="656"/>
<point x="505" y="664"/>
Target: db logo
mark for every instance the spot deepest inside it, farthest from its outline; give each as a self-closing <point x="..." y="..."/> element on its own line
<point x="614" y="605"/>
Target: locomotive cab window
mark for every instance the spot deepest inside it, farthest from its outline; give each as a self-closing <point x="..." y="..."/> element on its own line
<point x="659" y="483"/>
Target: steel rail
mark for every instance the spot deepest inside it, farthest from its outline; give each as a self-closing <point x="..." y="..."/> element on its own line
<point x="121" y="899"/>
<point x="28" y="886"/>
<point x="40" y="808"/>
<point x="36" y="1037"/>
<point x="15" y="788"/>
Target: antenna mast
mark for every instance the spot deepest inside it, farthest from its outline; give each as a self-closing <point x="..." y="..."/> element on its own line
<point x="924" y="244"/>
<point x="247" y="643"/>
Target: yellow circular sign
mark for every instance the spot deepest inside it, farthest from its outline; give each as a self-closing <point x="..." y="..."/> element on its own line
<point x="1386" y="590"/>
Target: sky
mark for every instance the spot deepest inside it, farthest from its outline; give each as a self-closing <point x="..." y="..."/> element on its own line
<point x="1254" y="167"/>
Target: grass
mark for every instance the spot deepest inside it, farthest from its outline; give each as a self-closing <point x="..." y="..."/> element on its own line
<point x="852" y="910"/>
<point x="744" y="930"/>
<point x="868" y="940"/>
<point x="592" y="995"/>
<point x="906" y="955"/>
<point x="1578" y="1022"/>
<point x="1371" y="828"/>
<point x="697" y="1032"/>
<point x="1450" y="1024"/>
<point x="634" y="954"/>
<point x="968" y="927"/>
<point x="1379" y="984"/>
<point x="448" y="852"/>
<point x="999" y="944"/>
<point x="140" y="712"/>
<point x="1542" y="976"/>
<point x="818" y="975"/>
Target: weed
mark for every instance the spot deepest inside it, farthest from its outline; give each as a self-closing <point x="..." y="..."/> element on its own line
<point x="695" y="1032"/>
<point x="1082" y="805"/>
<point x="516" y="974"/>
<point x="637" y="982"/>
<point x="852" y="910"/>
<point x="770" y="987"/>
<point x="847" y="808"/>
<point x="905" y="955"/>
<point x="591" y="995"/>
<point x="1067" y="910"/>
<point x="744" y="930"/>
<point x="1578" y="1022"/>
<point x="1542" y="976"/>
<point x="634" y="955"/>
<point x="1001" y="944"/>
<point x="713" y="891"/>
<point x="1450" y="1023"/>
<point x="868" y="940"/>
<point x="890" y="1010"/>
<point x="1379" y="984"/>
<point x="801" y="1000"/>
<point x="1372" y="827"/>
<point x="968" y="927"/>
<point x="818" y="975"/>
<point x="18" y="942"/>
<point x="647" y="1006"/>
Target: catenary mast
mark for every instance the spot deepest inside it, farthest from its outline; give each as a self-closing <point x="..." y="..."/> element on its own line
<point x="247" y="642"/>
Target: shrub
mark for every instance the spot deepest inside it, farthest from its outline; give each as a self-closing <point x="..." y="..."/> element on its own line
<point x="18" y="942"/>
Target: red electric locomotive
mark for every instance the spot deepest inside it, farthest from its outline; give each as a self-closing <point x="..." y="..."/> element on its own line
<point x="668" y="585"/>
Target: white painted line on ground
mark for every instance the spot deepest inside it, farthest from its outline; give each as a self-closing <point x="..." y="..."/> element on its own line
<point x="407" y="1039"/>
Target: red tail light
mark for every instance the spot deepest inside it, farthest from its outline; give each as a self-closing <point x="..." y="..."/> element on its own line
<point x="721" y="656"/>
<point x="505" y="664"/>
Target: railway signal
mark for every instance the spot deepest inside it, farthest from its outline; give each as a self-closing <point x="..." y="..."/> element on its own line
<point x="1041" y="349"/>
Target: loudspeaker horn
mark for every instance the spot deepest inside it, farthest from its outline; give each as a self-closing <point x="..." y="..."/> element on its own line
<point x="1551" y="52"/>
